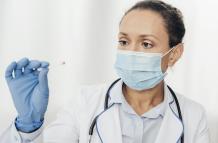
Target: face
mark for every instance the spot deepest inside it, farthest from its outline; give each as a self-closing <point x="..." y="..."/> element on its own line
<point x="145" y="31"/>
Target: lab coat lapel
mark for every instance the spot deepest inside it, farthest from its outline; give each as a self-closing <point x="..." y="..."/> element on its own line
<point x="108" y="125"/>
<point x="172" y="127"/>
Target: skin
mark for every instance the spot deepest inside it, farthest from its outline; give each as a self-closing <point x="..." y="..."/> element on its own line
<point x="145" y="31"/>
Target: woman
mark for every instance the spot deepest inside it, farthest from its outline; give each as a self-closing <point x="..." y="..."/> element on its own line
<point x="137" y="108"/>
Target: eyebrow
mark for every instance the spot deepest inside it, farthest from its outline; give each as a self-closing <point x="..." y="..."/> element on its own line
<point x="143" y="35"/>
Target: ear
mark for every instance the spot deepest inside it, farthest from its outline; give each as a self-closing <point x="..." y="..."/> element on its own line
<point x="175" y="54"/>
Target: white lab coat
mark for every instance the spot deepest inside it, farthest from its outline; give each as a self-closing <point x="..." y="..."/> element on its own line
<point x="73" y="122"/>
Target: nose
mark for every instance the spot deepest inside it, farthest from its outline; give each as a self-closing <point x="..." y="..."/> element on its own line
<point x="133" y="47"/>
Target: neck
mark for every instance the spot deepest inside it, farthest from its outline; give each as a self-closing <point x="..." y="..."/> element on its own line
<point x="142" y="101"/>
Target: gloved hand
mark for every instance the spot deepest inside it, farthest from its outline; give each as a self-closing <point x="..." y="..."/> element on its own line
<point x="28" y="84"/>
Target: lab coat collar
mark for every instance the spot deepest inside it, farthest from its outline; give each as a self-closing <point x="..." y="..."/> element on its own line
<point x="115" y="93"/>
<point x="108" y="125"/>
<point x="109" y="129"/>
<point x="172" y="127"/>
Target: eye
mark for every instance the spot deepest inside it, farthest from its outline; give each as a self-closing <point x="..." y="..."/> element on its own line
<point x="147" y="45"/>
<point x="123" y="42"/>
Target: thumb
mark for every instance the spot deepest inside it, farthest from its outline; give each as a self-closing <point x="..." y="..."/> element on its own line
<point x="43" y="81"/>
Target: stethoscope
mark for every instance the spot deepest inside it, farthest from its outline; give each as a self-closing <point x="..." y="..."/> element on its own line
<point x="106" y="107"/>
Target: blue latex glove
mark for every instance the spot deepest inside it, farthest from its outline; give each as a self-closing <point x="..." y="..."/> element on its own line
<point x="28" y="84"/>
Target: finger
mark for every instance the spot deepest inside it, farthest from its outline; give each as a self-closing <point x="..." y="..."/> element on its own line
<point x="32" y="66"/>
<point x="44" y="64"/>
<point x="36" y="72"/>
<point x="20" y="65"/>
<point x="9" y="71"/>
<point x="43" y="80"/>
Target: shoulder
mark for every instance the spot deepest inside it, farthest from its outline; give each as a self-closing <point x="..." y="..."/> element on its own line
<point x="85" y="101"/>
<point x="88" y="96"/>
<point x="195" y="119"/>
<point x="93" y="92"/>
<point x="191" y="108"/>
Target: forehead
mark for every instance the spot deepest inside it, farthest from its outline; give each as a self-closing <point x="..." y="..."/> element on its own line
<point x="142" y="22"/>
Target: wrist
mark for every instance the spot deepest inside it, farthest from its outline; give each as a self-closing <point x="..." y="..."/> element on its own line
<point x="27" y="127"/>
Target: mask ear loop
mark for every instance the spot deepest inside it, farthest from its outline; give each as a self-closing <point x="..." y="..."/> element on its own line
<point x="165" y="73"/>
<point x="168" y="52"/>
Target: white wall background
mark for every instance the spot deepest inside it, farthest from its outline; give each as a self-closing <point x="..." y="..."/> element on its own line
<point x="83" y="34"/>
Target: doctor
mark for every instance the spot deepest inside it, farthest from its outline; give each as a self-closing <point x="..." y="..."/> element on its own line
<point x="138" y="108"/>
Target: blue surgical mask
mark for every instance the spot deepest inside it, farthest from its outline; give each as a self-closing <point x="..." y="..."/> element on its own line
<point x="139" y="70"/>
